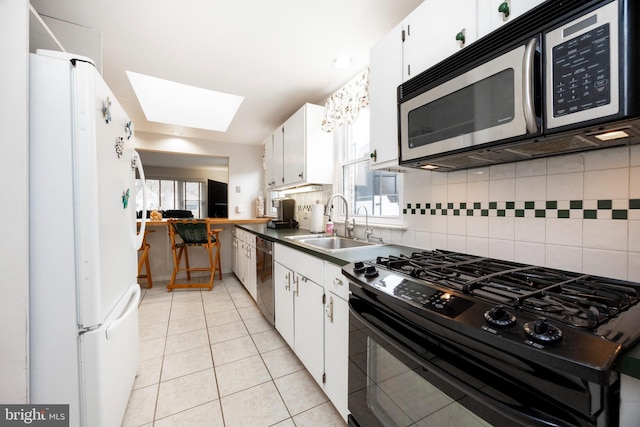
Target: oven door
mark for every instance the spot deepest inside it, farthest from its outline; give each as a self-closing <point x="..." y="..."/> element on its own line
<point x="492" y="102"/>
<point x="400" y="376"/>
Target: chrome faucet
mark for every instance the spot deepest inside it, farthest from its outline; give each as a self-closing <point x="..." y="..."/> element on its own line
<point x="348" y="227"/>
<point x="367" y="231"/>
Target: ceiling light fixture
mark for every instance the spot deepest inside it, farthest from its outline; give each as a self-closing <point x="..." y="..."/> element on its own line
<point x="164" y="101"/>
<point x="342" y="61"/>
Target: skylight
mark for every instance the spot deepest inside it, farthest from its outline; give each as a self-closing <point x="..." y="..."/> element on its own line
<point x="164" y="101"/>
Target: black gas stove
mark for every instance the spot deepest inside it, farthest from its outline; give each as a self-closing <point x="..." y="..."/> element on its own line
<point x="554" y="333"/>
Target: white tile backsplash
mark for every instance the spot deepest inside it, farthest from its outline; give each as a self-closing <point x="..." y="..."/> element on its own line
<point x="605" y="263"/>
<point x="531" y="188"/>
<point x="565" y="186"/>
<point x="579" y="212"/>
<point x="606" y="184"/>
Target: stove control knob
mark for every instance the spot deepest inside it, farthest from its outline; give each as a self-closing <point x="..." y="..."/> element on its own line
<point x="370" y="272"/>
<point x="499" y="316"/>
<point x="542" y="330"/>
<point x="358" y="267"/>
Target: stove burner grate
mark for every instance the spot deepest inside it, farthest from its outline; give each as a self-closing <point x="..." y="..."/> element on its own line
<point x="580" y="300"/>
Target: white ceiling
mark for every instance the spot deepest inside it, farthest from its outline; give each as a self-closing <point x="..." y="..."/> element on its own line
<point x="275" y="53"/>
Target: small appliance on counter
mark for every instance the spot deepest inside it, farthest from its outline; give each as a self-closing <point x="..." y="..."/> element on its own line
<point x="285" y="210"/>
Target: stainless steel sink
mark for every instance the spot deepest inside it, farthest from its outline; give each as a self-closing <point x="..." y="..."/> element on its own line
<point x="330" y="243"/>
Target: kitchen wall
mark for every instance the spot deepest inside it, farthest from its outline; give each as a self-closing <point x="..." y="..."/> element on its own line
<point x="579" y="212"/>
<point x="246" y="173"/>
<point x="14" y="187"/>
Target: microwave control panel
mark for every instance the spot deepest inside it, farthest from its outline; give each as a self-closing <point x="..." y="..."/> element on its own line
<point x="582" y="72"/>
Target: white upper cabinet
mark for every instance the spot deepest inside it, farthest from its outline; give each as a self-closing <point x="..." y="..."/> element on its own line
<point x="435" y="30"/>
<point x="492" y="14"/>
<point x="385" y="75"/>
<point x="301" y="152"/>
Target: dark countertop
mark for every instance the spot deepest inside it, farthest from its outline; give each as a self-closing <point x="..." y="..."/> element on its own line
<point x="628" y="363"/>
<point x="339" y="257"/>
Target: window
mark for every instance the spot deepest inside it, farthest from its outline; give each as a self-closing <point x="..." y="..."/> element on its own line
<point x="166" y="194"/>
<point x="377" y="191"/>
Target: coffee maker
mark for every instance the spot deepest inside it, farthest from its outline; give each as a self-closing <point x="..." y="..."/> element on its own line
<point x="285" y="211"/>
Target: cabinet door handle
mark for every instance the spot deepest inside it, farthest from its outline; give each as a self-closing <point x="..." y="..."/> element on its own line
<point x="337" y="282"/>
<point x="329" y="309"/>
<point x="287" y="285"/>
<point x="296" y="281"/>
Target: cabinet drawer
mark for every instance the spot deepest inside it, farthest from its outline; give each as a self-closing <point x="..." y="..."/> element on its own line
<point x="300" y="262"/>
<point x="334" y="281"/>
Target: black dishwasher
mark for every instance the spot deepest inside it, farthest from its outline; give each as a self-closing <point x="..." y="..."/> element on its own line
<point x="264" y="278"/>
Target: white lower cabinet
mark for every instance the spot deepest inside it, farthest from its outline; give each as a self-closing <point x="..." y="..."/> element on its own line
<point x="336" y="338"/>
<point x="312" y="316"/>
<point x="299" y="306"/>
<point x="244" y="265"/>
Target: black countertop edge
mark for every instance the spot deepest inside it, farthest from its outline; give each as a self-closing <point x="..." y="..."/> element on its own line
<point x="628" y="363"/>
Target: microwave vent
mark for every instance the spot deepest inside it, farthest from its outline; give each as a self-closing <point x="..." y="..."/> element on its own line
<point x="464" y="161"/>
<point x="554" y="146"/>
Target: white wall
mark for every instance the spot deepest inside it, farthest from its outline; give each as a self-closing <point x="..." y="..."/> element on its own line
<point x="14" y="250"/>
<point x="578" y="212"/>
<point x="246" y="172"/>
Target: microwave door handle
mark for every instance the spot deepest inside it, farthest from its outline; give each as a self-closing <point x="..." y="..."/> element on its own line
<point x="528" y="95"/>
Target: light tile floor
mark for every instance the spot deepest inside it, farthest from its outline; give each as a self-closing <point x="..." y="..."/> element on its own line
<point x="209" y="358"/>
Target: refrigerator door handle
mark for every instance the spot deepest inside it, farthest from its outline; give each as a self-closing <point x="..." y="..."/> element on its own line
<point x="112" y="328"/>
<point x="143" y="220"/>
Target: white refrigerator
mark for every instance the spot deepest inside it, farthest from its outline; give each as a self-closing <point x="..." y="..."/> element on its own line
<point x="83" y="320"/>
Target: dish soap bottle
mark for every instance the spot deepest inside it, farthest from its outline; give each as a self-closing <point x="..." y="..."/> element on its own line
<point x="329" y="227"/>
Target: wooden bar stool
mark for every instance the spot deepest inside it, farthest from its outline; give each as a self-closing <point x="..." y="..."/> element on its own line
<point x="143" y="259"/>
<point x="194" y="232"/>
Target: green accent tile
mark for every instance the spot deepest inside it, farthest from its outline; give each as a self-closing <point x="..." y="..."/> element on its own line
<point x="417" y="205"/>
<point x="423" y="211"/>
<point x="469" y="212"/>
<point x="604" y="204"/>
<point x="619" y="214"/>
<point x="493" y="205"/>
<point x="563" y="213"/>
<point x="511" y="205"/>
<point x="428" y="206"/>
<point x="408" y="205"/>
<point x="456" y="212"/>
<point x="552" y="204"/>
<point x="590" y="214"/>
<point x="477" y="205"/>
<point x="444" y="211"/>
<point x="463" y="205"/>
<point x="575" y="204"/>
<point x="433" y="211"/>
<point x="529" y="205"/>
<point x="502" y="212"/>
<point x="404" y="211"/>
<point x="634" y="203"/>
<point x="449" y="205"/>
<point x="484" y="212"/>
<point x="541" y="213"/>
<point x="519" y="213"/>
<point x="438" y="205"/>
<point x="413" y="211"/>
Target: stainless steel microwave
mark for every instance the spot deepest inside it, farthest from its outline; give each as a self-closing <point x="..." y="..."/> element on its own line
<point x="562" y="78"/>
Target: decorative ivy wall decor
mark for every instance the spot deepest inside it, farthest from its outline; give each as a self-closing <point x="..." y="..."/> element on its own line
<point x="106" y="110"/>
<point x="119" y="146"/>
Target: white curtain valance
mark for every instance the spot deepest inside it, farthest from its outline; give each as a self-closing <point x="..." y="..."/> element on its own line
<point x="343" y="106"/>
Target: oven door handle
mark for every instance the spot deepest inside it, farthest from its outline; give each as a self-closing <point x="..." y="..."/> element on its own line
<point x="406" y="347"/>
<point x="528" y="87"/>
